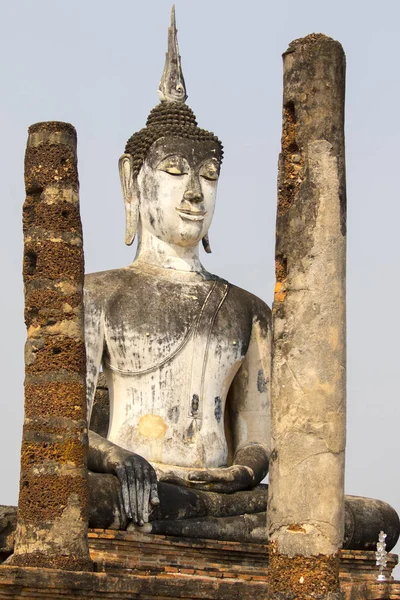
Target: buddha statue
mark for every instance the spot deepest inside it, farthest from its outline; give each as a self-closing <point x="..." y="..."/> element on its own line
<point x="186" y="355"/>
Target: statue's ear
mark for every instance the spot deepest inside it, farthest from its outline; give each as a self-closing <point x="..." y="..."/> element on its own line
<point x="131" y="197"/>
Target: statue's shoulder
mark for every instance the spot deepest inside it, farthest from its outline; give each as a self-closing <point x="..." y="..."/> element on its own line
<point x="251" y="304"/>
<point x="95" y="280"/>
<point x="102" y="285"/>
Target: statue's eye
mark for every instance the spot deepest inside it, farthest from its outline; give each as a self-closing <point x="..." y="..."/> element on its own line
<point x="210" y="170"/>
<point x="173" y="165"/>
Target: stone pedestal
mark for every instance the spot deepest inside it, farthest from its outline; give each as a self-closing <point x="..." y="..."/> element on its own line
<point x="131" y="565"/>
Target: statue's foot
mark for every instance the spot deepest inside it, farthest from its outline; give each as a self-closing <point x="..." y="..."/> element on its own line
<point x="364" y="519"/>
<point x="240" y="528"/>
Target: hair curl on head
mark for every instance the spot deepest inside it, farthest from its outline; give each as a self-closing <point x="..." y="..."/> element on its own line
<point x="166" y="119"/>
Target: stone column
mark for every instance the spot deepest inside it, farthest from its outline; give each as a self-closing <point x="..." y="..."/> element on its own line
<point x="52" y="510"/>
<point x="306" y="494"/>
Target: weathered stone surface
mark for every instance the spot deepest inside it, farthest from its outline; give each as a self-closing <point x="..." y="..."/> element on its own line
<point x="240" y="528"/>
<point x="8" y="524"/>
<point x="52" y="509"/>
<point x="186" y="355"/>
<point x="45" y="583"/>
<point x="303" y="576"/>
<point x="142" y="554"/>
<point x="100" y="417"/>
<point x="364" y="519"/>
<point x="129" y="564"/>
<point x="306" y="501"/>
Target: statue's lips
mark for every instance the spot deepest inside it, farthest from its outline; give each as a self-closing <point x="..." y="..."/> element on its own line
<point x="191" y="215"/>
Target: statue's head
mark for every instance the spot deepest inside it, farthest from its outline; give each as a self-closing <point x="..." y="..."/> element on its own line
<point x="170" y="169"/>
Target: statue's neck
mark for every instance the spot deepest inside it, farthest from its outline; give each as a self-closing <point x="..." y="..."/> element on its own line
<point x="153" y="251"/>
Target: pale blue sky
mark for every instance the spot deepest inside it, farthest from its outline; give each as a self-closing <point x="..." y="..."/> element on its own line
<point x="97" y="65"/>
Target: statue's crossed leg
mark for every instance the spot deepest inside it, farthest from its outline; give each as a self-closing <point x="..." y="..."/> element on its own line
<point x="241" y="516"/>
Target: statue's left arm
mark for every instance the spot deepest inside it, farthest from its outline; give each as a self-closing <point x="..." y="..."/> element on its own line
<point x="248" y="406"/>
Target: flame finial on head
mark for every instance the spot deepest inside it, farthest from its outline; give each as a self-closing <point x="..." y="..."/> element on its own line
<point x="172" y="85"/>
<point x="171" y="117"/>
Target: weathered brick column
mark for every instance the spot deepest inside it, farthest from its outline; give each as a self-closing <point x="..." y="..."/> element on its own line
<point x="52" y="510"/>
<point x="306" y="494"/>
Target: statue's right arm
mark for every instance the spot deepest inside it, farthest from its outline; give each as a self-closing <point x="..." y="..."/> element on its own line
<point x="94" y="338"/>
<point x="137" y="477"/>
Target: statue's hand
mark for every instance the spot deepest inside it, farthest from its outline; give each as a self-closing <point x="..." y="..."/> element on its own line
<point x="138" y="483"/>
<point x="225" y="479"/>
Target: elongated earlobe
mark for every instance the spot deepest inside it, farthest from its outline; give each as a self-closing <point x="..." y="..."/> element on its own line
<point x="206" y="244"/>
<point x="131" y="199"/>
<point x="132" y="218"/>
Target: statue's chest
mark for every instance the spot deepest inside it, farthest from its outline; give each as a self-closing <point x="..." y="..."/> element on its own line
<point x="149" y="327"/>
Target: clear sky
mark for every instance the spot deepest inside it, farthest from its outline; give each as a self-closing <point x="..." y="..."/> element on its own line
<point x="97" y="65"/>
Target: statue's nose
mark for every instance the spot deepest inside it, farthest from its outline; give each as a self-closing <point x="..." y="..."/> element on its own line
<point x="193" y="191"/>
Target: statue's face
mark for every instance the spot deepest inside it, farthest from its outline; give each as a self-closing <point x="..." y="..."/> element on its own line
<point x="177" y="188"/>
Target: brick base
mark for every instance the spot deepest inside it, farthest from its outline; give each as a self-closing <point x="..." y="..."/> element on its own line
<point x="133" y="565"/>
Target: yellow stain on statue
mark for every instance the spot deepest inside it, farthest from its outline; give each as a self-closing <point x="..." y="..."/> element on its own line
<point x="152" y="426"/>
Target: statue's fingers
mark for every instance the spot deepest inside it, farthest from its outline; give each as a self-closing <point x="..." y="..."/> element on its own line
<point x="201" y="485"/>
<point x="146" y="497"/>
<point x="139" y="494"/>
<point x="132" y="494"/>
<point x="154" y="499"/>
<point x="123" y="517"/>
<point x="123" y="479"/>
<point x="212" y="475"/>
<point x="200" y="476"/>
<point x="218" y="486"/>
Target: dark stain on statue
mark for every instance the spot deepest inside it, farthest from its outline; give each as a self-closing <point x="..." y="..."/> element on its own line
<point x="195" y="405"/>
<point x="218" y="409"/>
<point x="218" y="351"/>
<point x="191" y="430"/>
<point x="89" y="389"/>
<point x="261" y="381"/>
<point x="173" y="414"/>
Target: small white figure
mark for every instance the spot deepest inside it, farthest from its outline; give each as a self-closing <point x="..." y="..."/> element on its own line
<point x="381" y="555"/>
